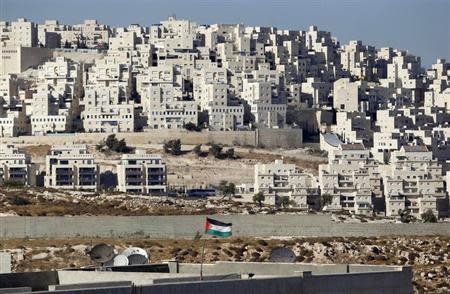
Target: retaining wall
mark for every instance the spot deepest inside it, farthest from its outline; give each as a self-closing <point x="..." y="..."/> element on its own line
<point x="271" y="138"/>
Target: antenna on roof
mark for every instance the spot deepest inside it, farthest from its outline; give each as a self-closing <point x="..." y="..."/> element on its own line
<point x="282" y="254"/>
<point x="101" y="253"/>
<point x="136" y="255"/>
<point x="118" y="260"/>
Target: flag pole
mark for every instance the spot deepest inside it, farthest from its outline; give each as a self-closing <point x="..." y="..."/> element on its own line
<point x="201" y="261"/>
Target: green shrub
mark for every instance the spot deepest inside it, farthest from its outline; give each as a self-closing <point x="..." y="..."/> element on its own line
<point x="429" y="217"/>
<point x="173" y="147"/>
<point x="17" y="200"/>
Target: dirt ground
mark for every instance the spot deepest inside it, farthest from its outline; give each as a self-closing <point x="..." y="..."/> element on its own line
<point x="191" y="170"/>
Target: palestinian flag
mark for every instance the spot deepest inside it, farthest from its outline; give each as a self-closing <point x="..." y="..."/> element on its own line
<point x="216" y="228"/>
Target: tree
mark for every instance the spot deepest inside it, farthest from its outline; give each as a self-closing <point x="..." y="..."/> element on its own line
<point x="227" y="189"/>
<point x="191" y="127"/>
<point x="111" y="141"/>
<point x="405" y="216"/>
<point x="173" y="147"/>
<point x="115" y="145"/>
<point x="259" y="198"/>
<point x="325" y="199"/>
<point x="285" y="201"/>
<point x="13" y="184"/>
<point x="230" y="153"/>
<point x="429" y="217"/>
<point x="121" y="146"/>
<point x="198" y="150"/>
<point x="216" y="150"/>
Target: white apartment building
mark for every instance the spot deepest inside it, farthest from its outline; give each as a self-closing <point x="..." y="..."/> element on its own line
<point x="161" y="90"/>
<point x="354" y="127"/>
<point x="414" y="181"/>
<point x="15" y="59"/>
<point x="265" y="113"/>
<point x="280" y="179"/>
<point x="21" y="33"/>
<point x="351" y="178"/>
<point x="142" y="173"/>
<point x="55" y="104"/>
<point x="315" y="92"/>
<point x="222" y="114"/>
<point x="103" y="113"/>
<point x="173" y="34"/>
<point x="70" y="166"/>
<point x="13" y="119"/>
<point x="16" y="166"/>
<point x="94" y="35"/>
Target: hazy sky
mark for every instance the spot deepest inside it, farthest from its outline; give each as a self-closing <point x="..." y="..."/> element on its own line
<point x="420" y="26"/>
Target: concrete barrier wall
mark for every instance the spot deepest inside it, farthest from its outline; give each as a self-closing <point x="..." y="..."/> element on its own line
<point x="388" y="282"/>
<point x="185" y="227"/>
<point x="271" y="138"/>
<point x="38" y="281"/>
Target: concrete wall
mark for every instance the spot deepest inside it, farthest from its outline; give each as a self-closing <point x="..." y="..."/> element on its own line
<point x="5" y="262"/>
<point x="38" y="281"/>
<point x="176" y="227"/>
<point x="283" y="138"/>
<point x="387" y="282"/>
<point x="34" y="56"/>
<point x="78" y="56"/>
<point x="287" y="138"/>
<point x="280" y="269"/>
<point x="310" y="120"/>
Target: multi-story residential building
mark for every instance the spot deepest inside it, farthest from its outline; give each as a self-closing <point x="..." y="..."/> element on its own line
<point x="280" y="179"/>
<point x="414" y="181"/>
<point x="351" y="178"/>
<point x="55" y="105"/>
<point x="163" y="103"/>
<point x="21" y="33"/>
<point x="95" y="35"/>
<point x="16" y="167"/>
<point x="142" y="173"/>
<point x="13" y="120"/>
<point x="354" y="127"/>
<point x="263" y="107"/>
<point x="104" y="113"/>
<point x="70" y="166"/>
<point x="16" y="59"/>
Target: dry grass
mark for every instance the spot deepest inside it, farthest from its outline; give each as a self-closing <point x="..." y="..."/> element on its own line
<point x="310" y="165"/>
<point x="30" y="202"/>
<point x="36" y="150"/>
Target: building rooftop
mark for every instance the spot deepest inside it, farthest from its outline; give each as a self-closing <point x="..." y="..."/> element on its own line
<point x="221" y="277"/>
<point x="332" y="139"/>
<point x="355" y="146"/>
<point x="415" y="148"/>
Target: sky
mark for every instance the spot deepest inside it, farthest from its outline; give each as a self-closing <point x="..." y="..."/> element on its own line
<point x="420" y="26"/>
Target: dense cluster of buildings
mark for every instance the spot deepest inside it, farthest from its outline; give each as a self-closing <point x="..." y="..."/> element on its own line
<point x="383" y="118"/>
<point x="95" y="78"/>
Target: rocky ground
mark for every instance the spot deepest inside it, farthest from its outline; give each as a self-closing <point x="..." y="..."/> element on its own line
<point x="429" y="256"/>
<point x="51" y="202"/>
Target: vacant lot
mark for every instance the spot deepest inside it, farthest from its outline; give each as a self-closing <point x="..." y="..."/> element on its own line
<point x="191" y="170"/>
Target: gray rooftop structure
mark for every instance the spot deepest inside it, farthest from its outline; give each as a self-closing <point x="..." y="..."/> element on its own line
<point x="220" y="277"/>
